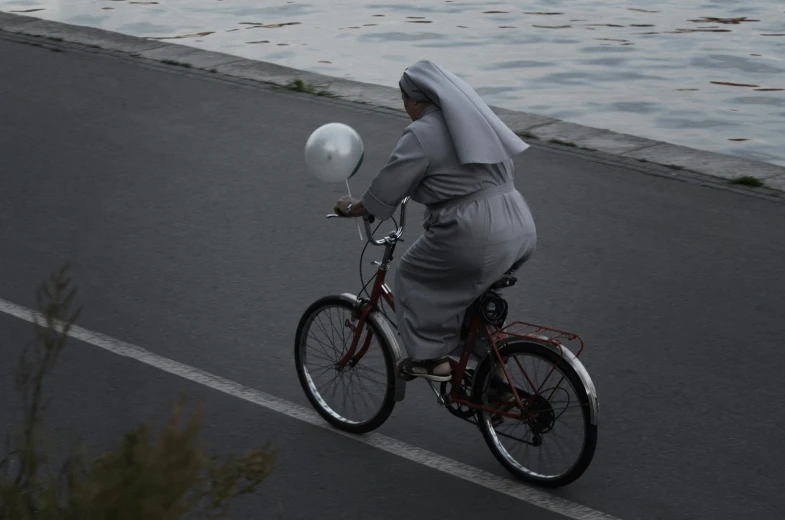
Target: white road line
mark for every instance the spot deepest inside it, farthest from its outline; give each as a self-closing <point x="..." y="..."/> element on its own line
<point x="420" y="456"/>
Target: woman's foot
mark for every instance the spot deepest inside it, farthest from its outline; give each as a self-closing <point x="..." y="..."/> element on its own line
<point x="432" y="369"/>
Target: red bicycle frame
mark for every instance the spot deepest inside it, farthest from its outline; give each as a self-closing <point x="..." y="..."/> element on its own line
<point x="378" y="292"/>
<point x="381" y="292"/>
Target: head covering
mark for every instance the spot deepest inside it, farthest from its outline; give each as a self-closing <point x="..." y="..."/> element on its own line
<point x="478" y="134"/>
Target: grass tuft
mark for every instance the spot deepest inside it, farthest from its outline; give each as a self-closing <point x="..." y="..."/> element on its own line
<point x="526" y="134"/>
<point x="563" y="143"/>
<point x="177" y="63"/>
<point x="747" y="180"/>
<point x="299" y="85"/>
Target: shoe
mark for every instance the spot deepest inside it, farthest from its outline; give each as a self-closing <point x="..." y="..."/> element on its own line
<point x="438" y="369"/>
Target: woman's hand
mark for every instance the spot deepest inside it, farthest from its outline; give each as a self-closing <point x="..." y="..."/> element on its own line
<point x="342" y="207"/>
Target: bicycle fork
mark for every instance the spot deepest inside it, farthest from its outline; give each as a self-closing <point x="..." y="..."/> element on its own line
<point x="350" y="357"/>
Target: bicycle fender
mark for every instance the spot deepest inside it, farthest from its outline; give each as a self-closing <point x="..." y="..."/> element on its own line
<point x="399" y="354"/>
<point x="588" y="384"/>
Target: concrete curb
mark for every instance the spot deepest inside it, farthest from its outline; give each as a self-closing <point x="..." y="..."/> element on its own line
<point x="722" y="168"/>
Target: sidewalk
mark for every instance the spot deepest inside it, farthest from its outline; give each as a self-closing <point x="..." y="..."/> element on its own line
<point x="637" y="153"/>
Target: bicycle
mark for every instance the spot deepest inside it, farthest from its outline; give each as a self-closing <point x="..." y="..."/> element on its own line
<point x="473" y="394"/>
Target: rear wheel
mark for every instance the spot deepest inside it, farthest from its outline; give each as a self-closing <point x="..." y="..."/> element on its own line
<point x="555" y="420"/>
<point x="356" y="399"/>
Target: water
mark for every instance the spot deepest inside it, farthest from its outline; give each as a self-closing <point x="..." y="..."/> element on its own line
<point x="653" y="69"/>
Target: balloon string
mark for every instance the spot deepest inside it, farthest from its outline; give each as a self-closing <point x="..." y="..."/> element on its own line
<point x="359" y="229"/>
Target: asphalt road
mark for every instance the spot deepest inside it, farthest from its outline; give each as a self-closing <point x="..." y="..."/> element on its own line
<point x="194" y="231"/>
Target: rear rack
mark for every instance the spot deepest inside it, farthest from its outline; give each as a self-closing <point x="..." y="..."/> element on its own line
<point x="557" y="338"/>
<point x="563" y="341"/>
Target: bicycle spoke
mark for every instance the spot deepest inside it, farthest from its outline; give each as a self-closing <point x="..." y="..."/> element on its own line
<point x="383" y="383"/>
<point x="343" y="336"/>
<point x="556" y="440"/>
<point x="324" y="348"/>
<point x="333" y="330"/>
<point x="351" y="380"/>
<point x="364" y="394"/>
<point x="322" y="358"/>
<point x="525" y="433"/>
<point x="328" y="335"/>
<point x="321" y="371"/>
<point x="334" y="385"/>
<point x="366" y="368"/>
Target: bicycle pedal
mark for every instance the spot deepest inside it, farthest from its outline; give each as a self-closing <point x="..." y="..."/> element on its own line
<point x="405" y="376"/>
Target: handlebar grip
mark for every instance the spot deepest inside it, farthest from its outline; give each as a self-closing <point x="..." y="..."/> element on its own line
<point x="370" y="219"/>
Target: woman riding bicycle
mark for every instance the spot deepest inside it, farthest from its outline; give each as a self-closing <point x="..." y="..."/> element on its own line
<point x="456" y="159"/>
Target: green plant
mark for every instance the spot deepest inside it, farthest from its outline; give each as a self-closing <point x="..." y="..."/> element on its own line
<point x="747" y="180"/>
<point x="299" y="85"/>
<point x="178" y="63"/>
<point x="525" y="134"/>
<point x="563" y="143"/>
<point x="155" y="477"/>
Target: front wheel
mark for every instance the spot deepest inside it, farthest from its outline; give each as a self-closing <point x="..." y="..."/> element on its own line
<point x="356" y="399"/>
<point x="556" y="419"/>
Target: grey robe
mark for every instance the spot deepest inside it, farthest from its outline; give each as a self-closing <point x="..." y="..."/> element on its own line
<point x="476" y="226"/>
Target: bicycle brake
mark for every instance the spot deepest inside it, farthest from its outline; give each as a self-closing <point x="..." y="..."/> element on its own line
<point x="358" y="308"/>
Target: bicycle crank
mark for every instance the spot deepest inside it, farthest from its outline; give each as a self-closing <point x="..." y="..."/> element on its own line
<point x="442" y="399"/>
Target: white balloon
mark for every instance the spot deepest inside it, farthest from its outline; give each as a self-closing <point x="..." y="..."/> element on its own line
<point x="334" y="152"/>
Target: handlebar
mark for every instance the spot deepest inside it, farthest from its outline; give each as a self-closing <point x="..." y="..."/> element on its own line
<point x="392" y="236"/>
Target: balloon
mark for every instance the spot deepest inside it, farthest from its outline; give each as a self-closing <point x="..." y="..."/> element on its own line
<point x="334" y="152"/>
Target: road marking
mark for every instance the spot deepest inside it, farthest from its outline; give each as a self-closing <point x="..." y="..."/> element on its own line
<point x="426" y="458"/>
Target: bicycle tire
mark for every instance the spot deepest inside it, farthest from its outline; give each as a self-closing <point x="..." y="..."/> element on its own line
<point x="522" y="346"/>
<point x="332" y="417"/>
